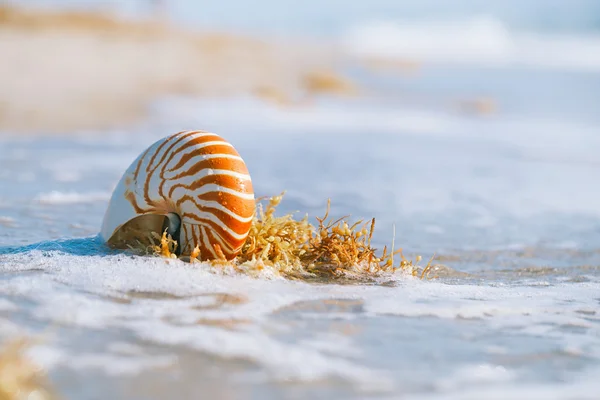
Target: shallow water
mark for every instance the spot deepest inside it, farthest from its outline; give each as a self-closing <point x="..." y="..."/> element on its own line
<point x="508" y="202"/>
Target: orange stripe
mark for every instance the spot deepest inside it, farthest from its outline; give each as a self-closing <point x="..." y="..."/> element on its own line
<point x="210" y="252"/>
<point x="158" y="149"/>
<point x="220" y="149"/>
<point x="243" y="208"/>
<point x="227" y="220"/>
<point x="219" y="230"/>
<point x="139" y="165"/>
<point x="169" y="153"/>
<point x="192" y="143"/>
<point x="222" y="242"/>
<point x="212" y="163"/>
<point x="147" y="198"/>
<point x="168" y="150"/>
<point x="226" y="181"/>
<point x="187" y="241"/>
<point x="212" y="137"/>
<point x="212" y="149"/>
<point x="130" y="196"/>
<point x="172" y="153"/>
<point x="226" y="252"/>
<point x="148" y="173"/>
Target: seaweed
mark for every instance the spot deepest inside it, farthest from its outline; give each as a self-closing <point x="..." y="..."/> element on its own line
<point x="296" y="249"/>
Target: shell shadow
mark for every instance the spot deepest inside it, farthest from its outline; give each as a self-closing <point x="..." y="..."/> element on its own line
<point x="88" y="246"/>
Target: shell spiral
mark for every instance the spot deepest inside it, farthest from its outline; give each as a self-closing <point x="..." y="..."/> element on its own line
<point x="193" y="183"/>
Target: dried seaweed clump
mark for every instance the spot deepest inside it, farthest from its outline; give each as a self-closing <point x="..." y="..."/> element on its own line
<point x="281" y="241"/>
<point x="297" y="249"/>
<point x="20" y="378"/>
<point x="332" y="249"/>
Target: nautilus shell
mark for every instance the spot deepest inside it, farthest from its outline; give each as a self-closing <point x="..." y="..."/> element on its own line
<point x="195" y="185"/>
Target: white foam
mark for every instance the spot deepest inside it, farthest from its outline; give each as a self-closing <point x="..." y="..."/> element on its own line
<point x="66" y="175"/>
<point x="7" y="221"/>
<point x="120" y="365"/>
<point x="94" y="287"/>
<point x="172" y="321"/>
<point x="7" y="305"/>
<point x="481" y="40"/>
<point x="25" y="177"/>
<point x="58" y="198"/>
<point x="476" y="374"/>
<point x="583" y="388"/>
<point x="109" y="363"/>
<point x="9" y="329"/>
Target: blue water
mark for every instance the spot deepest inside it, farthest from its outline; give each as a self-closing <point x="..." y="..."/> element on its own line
<point x="333" y="17"/>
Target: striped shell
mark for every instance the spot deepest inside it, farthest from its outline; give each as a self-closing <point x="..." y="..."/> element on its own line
<point x="195" y="185"/>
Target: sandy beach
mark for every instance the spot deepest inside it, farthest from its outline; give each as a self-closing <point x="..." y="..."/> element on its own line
<point x="72" y="70"/>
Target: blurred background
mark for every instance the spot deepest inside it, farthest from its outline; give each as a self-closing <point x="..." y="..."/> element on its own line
<point x="88" y="64"/>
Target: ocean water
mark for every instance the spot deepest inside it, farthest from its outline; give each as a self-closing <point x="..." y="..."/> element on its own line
<point x="546" y="34"/>
<point x="509" y="202"/>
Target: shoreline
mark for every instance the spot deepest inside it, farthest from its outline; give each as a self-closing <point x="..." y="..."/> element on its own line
<point x="74" y="70"/>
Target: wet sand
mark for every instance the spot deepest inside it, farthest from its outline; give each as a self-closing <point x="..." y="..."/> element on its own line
<point x="67" y="71"/>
